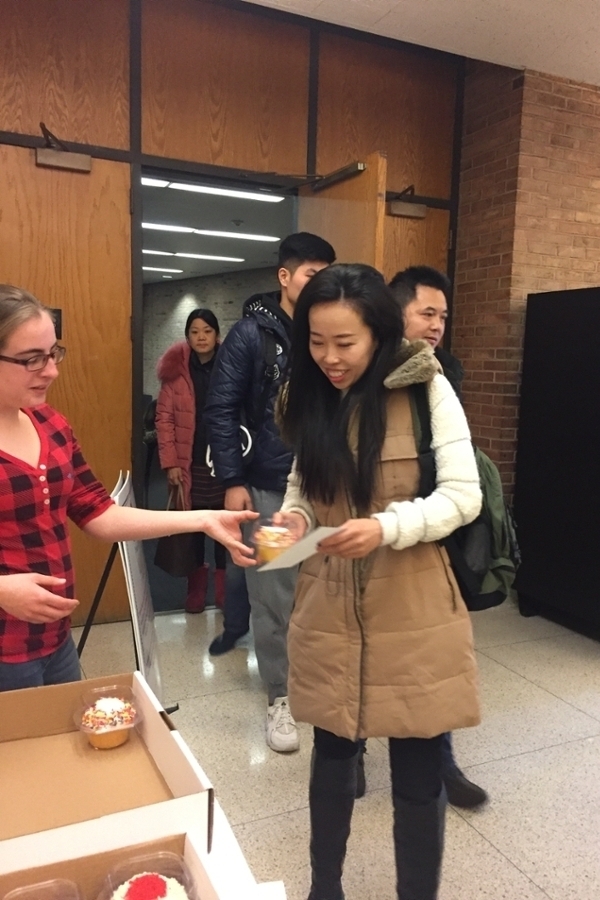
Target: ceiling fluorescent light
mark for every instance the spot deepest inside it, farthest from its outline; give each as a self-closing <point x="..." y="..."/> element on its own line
<point x="158" y="252"/>
<point x="205" y="256"/>
<point x="154" y="269"/>
<point x="226" y="192"/>
<point x="236" y="234"/>
<point x="166" y="276"/>
<point x="154" y="182"/>
<point x="154" y="227"/>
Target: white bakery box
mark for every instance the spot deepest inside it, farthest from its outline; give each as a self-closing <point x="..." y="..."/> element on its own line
<point x="65" y="805"/>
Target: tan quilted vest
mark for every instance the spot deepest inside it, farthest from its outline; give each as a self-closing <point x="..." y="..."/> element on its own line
<point x="383" y="647"/>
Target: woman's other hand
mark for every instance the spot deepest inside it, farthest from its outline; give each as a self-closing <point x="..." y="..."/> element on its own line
<point x="174" y="476"/>
<point x="224" y="526"/>
<point x="294" y="522"/>
<point x="29" y="597"/>
<point x="237" y="498"/>
<point x="355" y="539"/>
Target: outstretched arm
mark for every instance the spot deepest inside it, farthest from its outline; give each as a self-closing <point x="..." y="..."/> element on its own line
<point x="124" y="523"/>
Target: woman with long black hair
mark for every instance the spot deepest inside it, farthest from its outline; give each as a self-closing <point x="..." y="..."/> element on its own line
<point x="380" y="641"/>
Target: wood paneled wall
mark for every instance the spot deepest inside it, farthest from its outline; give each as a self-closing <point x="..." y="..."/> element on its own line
<point x="393" y="100"/>
<point x="228" y="87"/>
<point x="66" y="64"/>
<point x="224" y="87"/>
<point x="220" y="85"/>
<point x="65" y="237"/>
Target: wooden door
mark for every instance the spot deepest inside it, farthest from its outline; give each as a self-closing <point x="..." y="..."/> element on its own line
<point x="350" y="214"/>
<point x="416" y="242"/>
<point x="65" y="236"/>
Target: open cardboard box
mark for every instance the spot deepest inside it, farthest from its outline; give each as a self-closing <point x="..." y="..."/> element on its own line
<point x="211" y="882"/>
<point x="57" y="792"/>
<point x="221" y="875"/>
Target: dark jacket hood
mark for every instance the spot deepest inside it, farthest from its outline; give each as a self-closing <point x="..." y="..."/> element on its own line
<point x="452" y="367"/>
<point x="266" y="308"/>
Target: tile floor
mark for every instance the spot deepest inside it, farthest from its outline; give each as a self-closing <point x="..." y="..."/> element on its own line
<point x="537" y="753"/>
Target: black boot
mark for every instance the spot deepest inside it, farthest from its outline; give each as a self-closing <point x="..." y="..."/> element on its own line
<point x="224" y="643"/>
<point x="331" y="799"/>
<point x="462" y="792"/>
<point x="361" y="781"/>
<point x="419" y="846"/>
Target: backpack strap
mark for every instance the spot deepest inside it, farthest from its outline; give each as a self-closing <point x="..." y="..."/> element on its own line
<point x="423" y="437"/>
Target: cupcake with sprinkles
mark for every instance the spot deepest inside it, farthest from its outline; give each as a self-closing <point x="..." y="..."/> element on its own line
<point x="150" y="886"/>
<point x="153" y="876"/>
<point x="108" y="716"/>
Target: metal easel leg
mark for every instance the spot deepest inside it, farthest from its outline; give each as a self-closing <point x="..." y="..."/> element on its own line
<point x="97" y="598"/>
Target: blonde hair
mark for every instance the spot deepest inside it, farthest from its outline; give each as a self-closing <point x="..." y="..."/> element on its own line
<point x="16" y="307"/>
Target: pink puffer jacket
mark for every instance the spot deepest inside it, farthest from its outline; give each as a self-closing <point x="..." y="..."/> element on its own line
<point x="176" y="413"/>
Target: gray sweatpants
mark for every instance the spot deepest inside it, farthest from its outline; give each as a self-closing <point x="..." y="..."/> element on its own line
<point x="271" y="597"/>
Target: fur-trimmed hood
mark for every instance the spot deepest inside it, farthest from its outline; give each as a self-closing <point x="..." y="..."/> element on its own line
<point x="174" y="362"/>
<point x="415" y="363"/>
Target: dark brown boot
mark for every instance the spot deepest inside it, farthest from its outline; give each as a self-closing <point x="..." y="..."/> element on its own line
<point x="196" y="592"/>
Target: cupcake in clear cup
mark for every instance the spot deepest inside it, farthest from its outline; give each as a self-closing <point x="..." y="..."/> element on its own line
<point x="107" y="716"/>
<point x="149" y="877"/>
<point x="271" y="536"/>
<point x="56" y="889"/>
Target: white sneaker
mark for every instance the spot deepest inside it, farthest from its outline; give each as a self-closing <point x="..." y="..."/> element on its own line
<point x="282" y="734"/>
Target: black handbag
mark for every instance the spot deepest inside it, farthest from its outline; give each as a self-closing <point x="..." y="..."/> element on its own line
<point x="176" y="553"/>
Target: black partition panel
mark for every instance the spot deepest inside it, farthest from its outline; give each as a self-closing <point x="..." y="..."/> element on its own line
<point x="557" y="489"/>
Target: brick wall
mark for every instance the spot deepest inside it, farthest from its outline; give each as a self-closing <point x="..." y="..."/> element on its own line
<point x="481" y="326"/>
<point x="529" y="221"/>
<point x="557" y="234"/>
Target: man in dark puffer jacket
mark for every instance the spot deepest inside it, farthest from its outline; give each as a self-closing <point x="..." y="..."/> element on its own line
<point x="423" y="293"/>
<point x="234" y="398"/>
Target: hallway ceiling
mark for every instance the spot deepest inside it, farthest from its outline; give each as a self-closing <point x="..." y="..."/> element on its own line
<point x="553" y="36"/>
<point x="198" y="213"/>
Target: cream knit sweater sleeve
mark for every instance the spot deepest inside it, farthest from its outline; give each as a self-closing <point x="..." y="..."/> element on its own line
<point x="295" y="501"/>
<point x="456" y="499"/>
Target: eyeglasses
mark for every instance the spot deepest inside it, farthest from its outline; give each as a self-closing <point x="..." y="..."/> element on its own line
<point x="39" y="361"/>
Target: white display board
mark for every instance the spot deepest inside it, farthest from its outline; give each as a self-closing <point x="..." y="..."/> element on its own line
<point x="138" y="591"/>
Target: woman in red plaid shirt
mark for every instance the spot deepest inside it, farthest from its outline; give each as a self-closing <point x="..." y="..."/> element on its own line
<point x="44" y="479"/>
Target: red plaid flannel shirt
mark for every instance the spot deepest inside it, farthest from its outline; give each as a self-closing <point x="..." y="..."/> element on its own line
<point x="34" y="505"/>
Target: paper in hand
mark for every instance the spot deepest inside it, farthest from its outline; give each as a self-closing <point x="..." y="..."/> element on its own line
<point x="301" y="550"/>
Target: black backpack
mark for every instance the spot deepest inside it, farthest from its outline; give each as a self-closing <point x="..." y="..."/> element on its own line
<point x="484" y="554"/>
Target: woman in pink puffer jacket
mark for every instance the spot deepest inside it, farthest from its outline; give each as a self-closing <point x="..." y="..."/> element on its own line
<point x="184" y="372"/>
